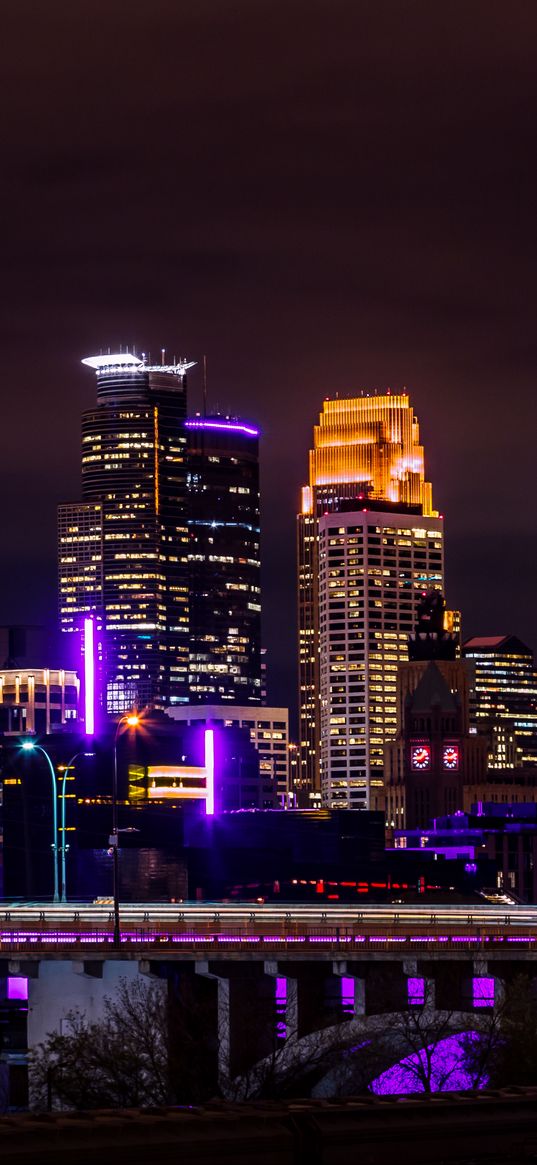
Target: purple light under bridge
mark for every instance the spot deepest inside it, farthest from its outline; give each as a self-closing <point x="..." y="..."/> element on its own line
<point x="280" y="999"/>
<point x="17" y="987"/>
<point x="447" y="1070"/>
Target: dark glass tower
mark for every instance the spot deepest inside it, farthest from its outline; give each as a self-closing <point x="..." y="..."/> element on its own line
<point x="224" y="566"/>
<point x="123" y="549"/>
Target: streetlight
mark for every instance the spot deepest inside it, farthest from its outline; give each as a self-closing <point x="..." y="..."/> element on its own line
<point x="63" y="848"/>
<point x="132" y="720"/>
<point x="31" y="746"/>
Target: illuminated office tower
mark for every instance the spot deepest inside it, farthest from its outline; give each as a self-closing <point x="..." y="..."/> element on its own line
<point x="503" y="699"/>
<point x="123" y="549"/>
<point x="369" y="544"/>
<point x="223" y="559"/>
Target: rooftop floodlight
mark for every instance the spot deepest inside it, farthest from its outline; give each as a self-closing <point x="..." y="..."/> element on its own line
<point x="115" y="360"/>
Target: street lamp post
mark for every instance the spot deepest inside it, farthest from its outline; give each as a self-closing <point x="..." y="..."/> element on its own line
<point x="63" y="846"/>
<point x="30" y="746"/>
<point x="132" y="720"/>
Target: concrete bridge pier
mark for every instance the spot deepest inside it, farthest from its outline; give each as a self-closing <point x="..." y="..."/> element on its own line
<point x="352" y="989"/>
<point x="256" y="1013"/>
<point x="285" y="1001"/>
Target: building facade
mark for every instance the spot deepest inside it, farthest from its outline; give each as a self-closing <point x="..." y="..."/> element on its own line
<point x="223" y="561"/>
<point x="504" y="698"/>
<point x="268" y="729"/>
<point x="373" y="568"/>
<point x="369" y="544"/>
<point x="123" y="551"/>
<point x="38" y="700"/>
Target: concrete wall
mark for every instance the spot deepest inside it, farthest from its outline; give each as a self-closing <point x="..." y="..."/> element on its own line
<point x="63" y="986"/>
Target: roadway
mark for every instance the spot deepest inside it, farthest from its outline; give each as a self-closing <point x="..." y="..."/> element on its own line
<point x="217" y="917"/>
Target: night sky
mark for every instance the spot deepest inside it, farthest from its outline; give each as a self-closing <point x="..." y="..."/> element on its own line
<point x="322" y="196"/>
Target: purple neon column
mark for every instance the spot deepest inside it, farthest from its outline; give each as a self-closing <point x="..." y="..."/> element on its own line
<point x="281" y="1007"/>
<point x="209" y="771"/>
<point x="89" y="676"/>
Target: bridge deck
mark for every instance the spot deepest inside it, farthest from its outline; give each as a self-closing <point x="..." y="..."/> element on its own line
<point x="220" y="929"/>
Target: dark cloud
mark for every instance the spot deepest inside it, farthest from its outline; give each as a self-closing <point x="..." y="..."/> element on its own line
<point x="322" y="195"/>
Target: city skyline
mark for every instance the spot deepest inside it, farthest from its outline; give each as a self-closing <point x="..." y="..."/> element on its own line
<point x="350" y="216"/>
<point x="268" y="695"/>
<point x="287" y="686"/>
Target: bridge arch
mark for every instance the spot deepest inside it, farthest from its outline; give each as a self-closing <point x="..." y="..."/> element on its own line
<point x="360" y="1054"/>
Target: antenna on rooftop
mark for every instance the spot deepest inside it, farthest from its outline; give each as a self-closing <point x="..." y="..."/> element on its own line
<point x="204" y="386"/>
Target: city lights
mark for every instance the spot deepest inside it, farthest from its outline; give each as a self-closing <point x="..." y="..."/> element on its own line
<point x="222" y="425"/>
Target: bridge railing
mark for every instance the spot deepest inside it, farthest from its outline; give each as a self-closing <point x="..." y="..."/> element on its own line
<point x="348" y="940"/>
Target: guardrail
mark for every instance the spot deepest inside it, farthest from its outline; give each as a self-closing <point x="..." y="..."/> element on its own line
<point x="217" y="943"/>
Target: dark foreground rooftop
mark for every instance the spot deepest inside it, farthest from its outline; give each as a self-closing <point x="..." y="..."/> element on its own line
<point x="454" y="1128"/>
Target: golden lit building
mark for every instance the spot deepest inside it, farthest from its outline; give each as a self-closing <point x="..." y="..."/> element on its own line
<point x="369" y="544"/>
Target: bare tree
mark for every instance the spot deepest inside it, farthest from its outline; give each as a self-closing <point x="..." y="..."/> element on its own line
<point x="420" y="1033"/>
<point x="119" y="1061"/>
<point x="506" y="1052"/>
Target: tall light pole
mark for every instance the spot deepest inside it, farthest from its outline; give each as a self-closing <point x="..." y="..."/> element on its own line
<point x="63" y="847"/>
<point x="31" y="746"/>
<point x="132" y="720"/>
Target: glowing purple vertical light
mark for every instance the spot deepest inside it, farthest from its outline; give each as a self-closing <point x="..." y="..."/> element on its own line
<point x="280" y="996"/>
<point x="483" y="991"/>
<point x="17" y="987"/>
<point x="416" y="991"/>
<point x="89" y="676"/>
<point x="347" y="995"/>
<point x="209" y="771"/>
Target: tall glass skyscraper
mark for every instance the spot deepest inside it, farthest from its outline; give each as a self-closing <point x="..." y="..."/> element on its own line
<point x="123" y="550"/>
<point x="223" y="561"/>
<point x="369" y="545"/>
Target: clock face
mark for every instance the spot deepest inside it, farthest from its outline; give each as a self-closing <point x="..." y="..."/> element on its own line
<point x="450" y="756"/>
<point x="420" y="756"/>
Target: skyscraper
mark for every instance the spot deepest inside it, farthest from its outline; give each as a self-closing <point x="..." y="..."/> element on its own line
<point x="504" y="698"/>
<point x="123" y="549"/>
<point x="369" y="545"/>
<point x="223" y="561"/>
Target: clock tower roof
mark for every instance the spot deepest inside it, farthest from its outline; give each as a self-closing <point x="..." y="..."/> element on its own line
<point x="431" y="692"/>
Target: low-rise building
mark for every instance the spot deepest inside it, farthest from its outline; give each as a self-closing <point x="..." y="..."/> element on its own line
<point x="268" y="728"/>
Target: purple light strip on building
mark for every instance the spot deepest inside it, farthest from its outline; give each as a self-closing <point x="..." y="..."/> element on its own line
<point x="89" y="677"/>
<point x="209" y="771"/>
<point x="223" y="425"/>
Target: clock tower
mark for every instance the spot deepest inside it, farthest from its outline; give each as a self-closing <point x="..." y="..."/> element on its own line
<point x="434" y="755"/>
